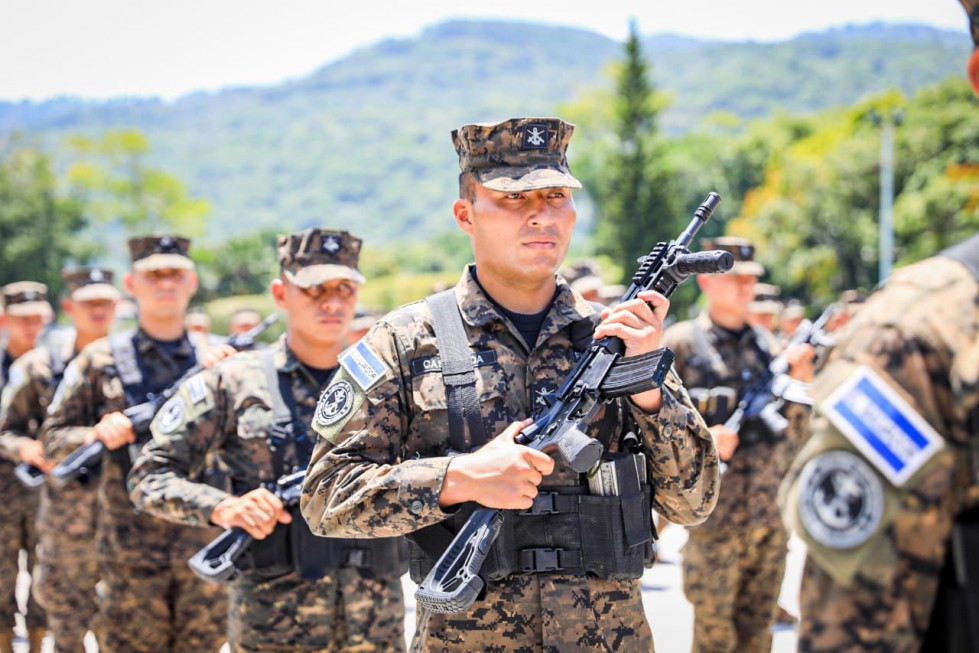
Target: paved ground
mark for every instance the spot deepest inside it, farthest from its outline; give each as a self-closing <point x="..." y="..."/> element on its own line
<point x="669" y="613"/>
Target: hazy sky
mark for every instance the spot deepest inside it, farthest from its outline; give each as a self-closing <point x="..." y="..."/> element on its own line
<point x="107" y="48"/>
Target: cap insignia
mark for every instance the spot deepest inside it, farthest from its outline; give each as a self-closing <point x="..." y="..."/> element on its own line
<point x="535" y="137"/>
<point x="331" y="244"/>
<point x="96" y="276"/>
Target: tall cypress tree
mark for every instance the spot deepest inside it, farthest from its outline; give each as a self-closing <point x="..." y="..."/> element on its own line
<point x="636" y="208"/>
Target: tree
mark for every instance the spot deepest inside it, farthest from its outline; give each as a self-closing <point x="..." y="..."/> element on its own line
<point x="123" y="190"/>
<point x="240" y="266"/>
<point x="38" y="225"/>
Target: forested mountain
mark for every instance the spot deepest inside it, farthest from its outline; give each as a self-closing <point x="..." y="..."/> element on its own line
<point x="364" y="141"/>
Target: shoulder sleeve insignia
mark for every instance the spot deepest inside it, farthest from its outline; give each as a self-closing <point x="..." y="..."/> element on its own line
<point x="339" y="401"/>
<point x="841" y="499"/>
<point x="363" y="364"/>
<point x="884" y="427"/>
<point x="172" y="416"/>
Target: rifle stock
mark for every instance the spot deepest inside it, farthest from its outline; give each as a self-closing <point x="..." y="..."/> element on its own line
<point x="599" y="376"/>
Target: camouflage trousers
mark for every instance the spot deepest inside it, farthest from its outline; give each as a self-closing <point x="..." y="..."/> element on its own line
<point x="64" y="582"/>
<point x="537" y="613"/>
<point x="17" y="532"/>
<point x="732" y="578"/>
<point x="345" y="611"/>
<point x="159" y="610"/>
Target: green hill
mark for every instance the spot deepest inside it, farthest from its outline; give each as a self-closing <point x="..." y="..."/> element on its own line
<point x="363" y="143"/>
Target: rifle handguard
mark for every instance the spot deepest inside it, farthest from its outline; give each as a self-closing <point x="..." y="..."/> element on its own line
<point x="29" y="475"/>
<point x="215" y="563"/>
<point x="78" y="462"/>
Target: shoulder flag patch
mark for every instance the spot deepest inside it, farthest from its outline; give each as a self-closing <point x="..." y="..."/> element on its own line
<point x="364" y="365"/>
<point x="887" y="430"/>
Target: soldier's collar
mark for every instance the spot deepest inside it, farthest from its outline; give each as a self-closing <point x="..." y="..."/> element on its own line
<point x="145" y="343"/>
<point x="478" y="310"/>
<point x="285" y="359"/>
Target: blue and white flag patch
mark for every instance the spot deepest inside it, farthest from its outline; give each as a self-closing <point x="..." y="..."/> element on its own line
<point x="364" y="365"/>
<point x="885" y="428"/>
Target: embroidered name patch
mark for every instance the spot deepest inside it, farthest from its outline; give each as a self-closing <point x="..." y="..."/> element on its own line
<point x="335" y="404"/>
<point x="841" y="499"/>
<point x="887" y="430"/>
<point x="434" y="363"/>
<point x="364" y="366"/>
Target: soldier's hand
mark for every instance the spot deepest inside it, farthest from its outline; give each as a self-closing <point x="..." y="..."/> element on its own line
<point x="214" y="354"/>
<point x="114" y="430"/>
<point x="801" y="359"/>
<point x="639" y="323"/>
<point x="32" y="453"/>
<point x="502" y="474"/>
<point x="257" y="512"/>
<point x="725" y="441"/>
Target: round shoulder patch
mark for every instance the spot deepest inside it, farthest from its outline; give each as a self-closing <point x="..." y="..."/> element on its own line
<point x="841" y="499"/>
<point x="335" y="404"/>
<point x="171" y="415"/>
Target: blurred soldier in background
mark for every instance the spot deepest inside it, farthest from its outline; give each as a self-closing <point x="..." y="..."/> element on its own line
<point x="886" y="491"/>
<point x="243" y="320"/>
<point x="790" y="319"/>
<point x="149" y="599"/>
<point x="66" y="572"/>
<point x="26" y="308"/>
<point x="765" y="309"/>
<point x="254" y="410"/>
<point x="734" y="562"/>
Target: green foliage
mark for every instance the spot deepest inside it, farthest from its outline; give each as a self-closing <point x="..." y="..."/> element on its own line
<point x="242" y="265"/>
<point x="39" y="226"/>
<point x="119" y="186"/>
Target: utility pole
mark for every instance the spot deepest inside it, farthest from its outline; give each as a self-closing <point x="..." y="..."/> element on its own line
<point x="886" y="223"/>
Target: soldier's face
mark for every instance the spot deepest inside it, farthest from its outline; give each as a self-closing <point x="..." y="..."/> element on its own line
<point x="518" y="236"/>
<point x="729" y="293"/>
<point x="23" y="330"/>
<point x="163" y="293"/>
<point x="320" y="314"/>
<point x="92" y="318"/>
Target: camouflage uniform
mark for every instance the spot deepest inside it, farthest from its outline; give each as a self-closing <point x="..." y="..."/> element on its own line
<point x="66" y="572"/>
<point x="149" y="599"/>
<point x="378" y="469"/>
<point x="18" y="508"/>
<point x="874" y="565"/>
<point x="230" y="412"/>
<point x="733" y="562"/>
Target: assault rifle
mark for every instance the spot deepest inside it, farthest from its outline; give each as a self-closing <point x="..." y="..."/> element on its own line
<point x="141" y="415"/>
<point x="215" y="563"/>
<point x="601" y="375"/>
<point x="764" y="395"/>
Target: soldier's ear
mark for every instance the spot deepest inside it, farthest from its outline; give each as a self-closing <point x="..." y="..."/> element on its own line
<point x="128" y="283"/>
<point x="278" y="289"/>
<point x="462" y="211"/>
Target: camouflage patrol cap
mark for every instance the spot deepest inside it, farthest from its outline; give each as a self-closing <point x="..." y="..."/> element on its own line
<point x="26" y="298"/>
<point x="766" y="299"/>
<point x="517" y="154"/>
<point x="160" y="252"/>
<point x="742" y="250"/>
<point x="88" y="284"/>
<point x="314" y="256"/>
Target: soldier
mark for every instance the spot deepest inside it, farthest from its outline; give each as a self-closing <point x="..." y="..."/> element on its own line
<point x="243" y="320"/>
<point x="886" y="491"/>
<point x="149" y="600"/>
<point x="26" y="307"/>
<point x="733" y="563"/>
<point x="765" y="309"/>
<point x="254" y="410"/>
<point x="66" y="572"/>
<point x="394" y="456"/>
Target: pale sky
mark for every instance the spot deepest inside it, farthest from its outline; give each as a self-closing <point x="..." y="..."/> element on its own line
<point x="111" y="48"/>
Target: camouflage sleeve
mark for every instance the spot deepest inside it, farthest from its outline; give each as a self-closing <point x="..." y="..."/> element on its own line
<point x="72" y="412"/>
<point x="18" y="405"/>
<point x="359" y="483"/>
<point x="186" y="428"/>
<point x="683" y="460"/>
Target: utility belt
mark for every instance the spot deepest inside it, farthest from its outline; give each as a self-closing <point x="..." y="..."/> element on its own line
<point x="293" y="547"/>
<point x="569" y="530"/>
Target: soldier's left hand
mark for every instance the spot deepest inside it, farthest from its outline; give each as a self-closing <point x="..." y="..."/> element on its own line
<point x="212" y="355"/>
<point x="32" y="453"/>
<point x="801" y="359"/>
<point x="639" y="323"/>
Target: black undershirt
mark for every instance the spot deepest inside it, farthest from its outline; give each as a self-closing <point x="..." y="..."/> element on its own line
<point x="529" y="325"/>
<point x="321" y="375"/>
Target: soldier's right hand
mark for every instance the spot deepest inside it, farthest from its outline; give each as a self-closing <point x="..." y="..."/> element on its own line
<point x="32" y="453"/>
<point x="725" y="441"/>
<point x="256" y="512"/>
<point x="115" y="430"/>
<point x="502" y="474"/>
